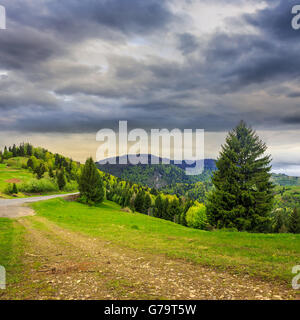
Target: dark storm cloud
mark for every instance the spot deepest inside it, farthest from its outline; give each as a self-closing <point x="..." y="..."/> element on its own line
<point x="212" y="85"/>
<point x="295" y="94"/>
<point x="38" y="30"/>
<point x="187" y="43"/>
<point x="77" y="18"/>
<point x="276" y="21"/>
<point x="292" y="119"/>
<point x="22" y="49"/>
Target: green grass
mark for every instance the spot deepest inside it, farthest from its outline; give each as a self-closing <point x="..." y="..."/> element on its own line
<point x="270" y="256"/>
<point x="11" y="248"/>
<point x="11" y="169"/>
<point x="8" y="173"/>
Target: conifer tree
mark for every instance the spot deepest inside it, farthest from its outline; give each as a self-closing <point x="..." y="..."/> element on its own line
<point x="294" y="222"/>
<point x="243" y="194"/>
<point x="139" y="202"/>
<point x="158" y="210"/>
<point x="15" y="189"/>
<point x="61" y="180"/>
<point x="91" y="184"/>
<point x="51" y="173"/>
<point x="40" y="170"/>
<point x="147" y="203"/>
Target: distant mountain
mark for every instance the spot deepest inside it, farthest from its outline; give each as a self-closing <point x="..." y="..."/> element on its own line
<point x="284" y="180"/>
<point x="163" y="175"/>
<point x="155" y="175"/>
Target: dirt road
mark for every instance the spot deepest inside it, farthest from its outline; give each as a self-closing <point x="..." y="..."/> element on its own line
<point x="61" y="264"/>
<point x="13" y="208"/>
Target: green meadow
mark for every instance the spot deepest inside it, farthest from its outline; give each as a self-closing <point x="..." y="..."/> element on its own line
<point x="11" y="173"/>
<point x="269" y="256"/>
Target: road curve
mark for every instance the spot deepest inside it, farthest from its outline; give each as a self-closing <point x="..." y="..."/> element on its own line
<point x="17" y="202"/>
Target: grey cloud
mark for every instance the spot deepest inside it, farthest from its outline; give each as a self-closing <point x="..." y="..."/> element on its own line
<point x="77" y="18"/>
<point x="213" y="86"/>
<point x="295" y="94"/>
<point x="187" y="43"/>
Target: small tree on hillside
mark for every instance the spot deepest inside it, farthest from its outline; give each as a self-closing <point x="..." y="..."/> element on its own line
<point x="51" y="173"/>
<point x="294" y="222"/>
<point x="15" y="189"/>
<point x="40" y="171"/>
<point x="243" y="194"/>
<point x="147" y="203"/>
<point x="30" y="163"/>
<point x="91" y="184"/>
<point x="61" y="180"/>
<point x="139" y="202"/>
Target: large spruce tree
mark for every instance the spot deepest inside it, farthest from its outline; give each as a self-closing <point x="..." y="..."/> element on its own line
<point x="91" y="184"/>
<point x="242" y="197"/>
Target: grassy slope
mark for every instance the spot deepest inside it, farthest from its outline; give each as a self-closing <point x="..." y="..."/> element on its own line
<point x="11" y="248"/>
<point x="13" y="172"/>
<point x="269" y="256"/>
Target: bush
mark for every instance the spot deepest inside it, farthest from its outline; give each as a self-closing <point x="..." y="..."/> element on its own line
<point x="8" y="189"/>
<point x="71" y="186"/>
<point x="196" y="217"/>
<point x="38" y="186"/>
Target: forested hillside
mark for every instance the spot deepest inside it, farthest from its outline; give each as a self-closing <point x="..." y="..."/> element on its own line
<point x="164" y="176"/>
<point x="27" y="170"/>
<point x="156" y="175"/>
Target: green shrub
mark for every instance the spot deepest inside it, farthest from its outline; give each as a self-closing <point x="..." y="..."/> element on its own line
<point x="8" y="189"/>
<point x="71" y="186"/>
<point x="38" y="186"/>
<point x="196" y="217"/>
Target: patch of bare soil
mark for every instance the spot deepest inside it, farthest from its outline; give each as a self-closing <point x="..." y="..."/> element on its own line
<point x="15" y="211"/>
<point x="61" y="264"/>
<point x="13" y="181"/>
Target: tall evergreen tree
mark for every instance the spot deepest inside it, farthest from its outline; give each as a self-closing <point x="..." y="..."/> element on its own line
<point x="147" y="203"/>
<point x="90" y="184"/>
<point x="139" y="202"/>
<point x="159" y="205"/>
<point x="40" y="170"/>
<point x="61" y="180"/>
<point x="15" y="189"/>
<point x="294" y="221"/>
<point x="243" y="194"/>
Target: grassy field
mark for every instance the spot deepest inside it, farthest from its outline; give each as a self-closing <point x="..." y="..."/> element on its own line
<point x="269" y="256"/>
<point x="11" y="249"/>
<point x="10" y="173"/>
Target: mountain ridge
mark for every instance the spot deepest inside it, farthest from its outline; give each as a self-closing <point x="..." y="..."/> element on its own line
<point x="167" y="172"/>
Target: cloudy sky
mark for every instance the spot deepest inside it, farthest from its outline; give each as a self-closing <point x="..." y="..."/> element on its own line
<point x="70" y="68"/>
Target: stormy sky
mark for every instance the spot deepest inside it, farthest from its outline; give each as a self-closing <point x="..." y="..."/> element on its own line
<point x="70" y="68"/>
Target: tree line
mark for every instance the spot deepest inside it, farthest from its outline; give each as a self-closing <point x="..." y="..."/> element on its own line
<point x="241" y="197"/>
